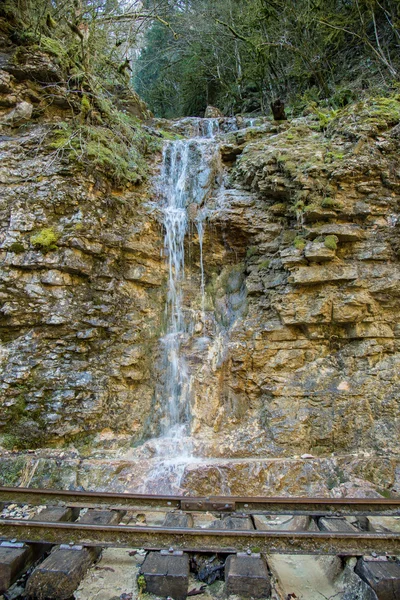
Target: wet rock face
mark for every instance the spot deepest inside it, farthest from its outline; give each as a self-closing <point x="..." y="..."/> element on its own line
<point x="312" y="366"/>
<point x="81" y="298"/>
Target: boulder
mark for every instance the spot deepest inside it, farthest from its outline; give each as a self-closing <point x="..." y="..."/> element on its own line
<point x="19" y="115"/>
<point x="212" y="113"/>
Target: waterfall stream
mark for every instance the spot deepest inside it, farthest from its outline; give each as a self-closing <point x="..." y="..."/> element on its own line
<point x="188" y="174"/>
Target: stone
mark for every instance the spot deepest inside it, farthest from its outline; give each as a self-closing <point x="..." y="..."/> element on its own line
<point x="178" y="520"/>
<point x="346" y="232"/>
<point x="19" y="115"/>
<point x="101" y="517"/>
<point x="34" y="65"/>
<point x="292" y="257"/>
<point x="370" y="330"/>
<point x="323" y="274"/>
<point x="382" y="576"/>
<point x="5" y="82"/>
<point x="281" y="523"/>
<point x="247" y="576"/>
<point x="334" y="524"/>
<point x="52" y="514"/>
<point x="166" y="574"/>
<point x="318" y="252"/>
<point x="233" y="522"/>
<point x="212" y="113"/>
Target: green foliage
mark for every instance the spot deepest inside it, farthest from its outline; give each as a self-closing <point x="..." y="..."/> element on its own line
<point x="243" y="54"/>
<point x="116" y="149"/>
<point x="251" y="251"/>
<point x="264" y="264"/>
<point x="45" y="240"/>
<point x="331" y="242"/>
<point x="10" y="470"/>
<point x="141" y="582"/>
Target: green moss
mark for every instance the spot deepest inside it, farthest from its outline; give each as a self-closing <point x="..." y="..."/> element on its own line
<point x="264" y="264"/>
<point x="299" y="243"/>
<point x="289" y="236"/>
<point x="17" y="248"/>
<point x="53" y="47"/>
<point x="168" y="135"/>
<point x="325" y="117"/>
<point x="141" y="582"/>
<point x="331" y="242"/>
<point x="45" y="240"/>
<point x="116" y="150"/>
<point x="279" y="208"/>
<point x="384" y="493"/>
<point x="331" y="203"/>
<point x="85" y="105"/>
<point x="10" y="470"/>
<point x="332" y="156"/>
<point x="251" y="251"/>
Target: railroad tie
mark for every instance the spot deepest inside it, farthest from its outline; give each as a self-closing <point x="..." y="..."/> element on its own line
<point x="336" y="524"/>
<point x="59" y="575"/>
<point x="282" y="523"/>
<point x="16" y="557"/>
<point x="13" y="558"/>
<point x="383" y="576"/>
<point x="246" y="576"/>
<point x="166" y="573"/>
<point x="178" y="519"/>
<point x="233" y="522"/>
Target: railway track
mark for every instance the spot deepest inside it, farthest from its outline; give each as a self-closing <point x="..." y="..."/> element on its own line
<point x="301" y="539"/>
<point x="87" y="521"/>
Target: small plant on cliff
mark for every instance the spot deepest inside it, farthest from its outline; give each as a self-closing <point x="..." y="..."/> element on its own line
<point x="141" y="581"/>
<point x="45" y="240"/>
<point x="331" y="242"/>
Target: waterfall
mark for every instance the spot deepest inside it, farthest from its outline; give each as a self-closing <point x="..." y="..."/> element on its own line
<point x="188" y="174"/>
<point x="175" y="176"/>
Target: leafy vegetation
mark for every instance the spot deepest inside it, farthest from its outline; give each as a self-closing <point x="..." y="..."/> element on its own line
<point x="241" y="54"/>
<point x="91" y="42"/>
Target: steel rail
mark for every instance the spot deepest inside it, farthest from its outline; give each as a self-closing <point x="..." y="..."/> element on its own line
<point x="211" y="540"/>
<point x="248" y="505"/>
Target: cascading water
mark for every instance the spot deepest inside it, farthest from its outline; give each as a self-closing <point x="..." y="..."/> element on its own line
<point x="188" y="174"/>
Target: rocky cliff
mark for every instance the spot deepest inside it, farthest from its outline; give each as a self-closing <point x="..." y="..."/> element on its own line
<point x="295" y="353"/>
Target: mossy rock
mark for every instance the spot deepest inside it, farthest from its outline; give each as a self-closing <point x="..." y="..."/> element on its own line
<point x="331" y="242"/>
<point x="45" y="240"/>
<point x="17" y="248"/>
<point x="299" y="243"/>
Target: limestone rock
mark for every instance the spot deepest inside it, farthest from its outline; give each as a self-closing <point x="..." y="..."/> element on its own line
<point x="29" y="64"/>
<point x="324" y="274"/>
<point x="5" y="82"/>
<point x="212" y="113"/>
<point x="318" y="252"/>
<point x="19" y="115"/>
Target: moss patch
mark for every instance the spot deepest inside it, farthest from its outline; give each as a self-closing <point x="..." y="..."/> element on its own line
<point x="299" y="243"/>
<point x="331" y="242"/>
<point x="45" y="240"/>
